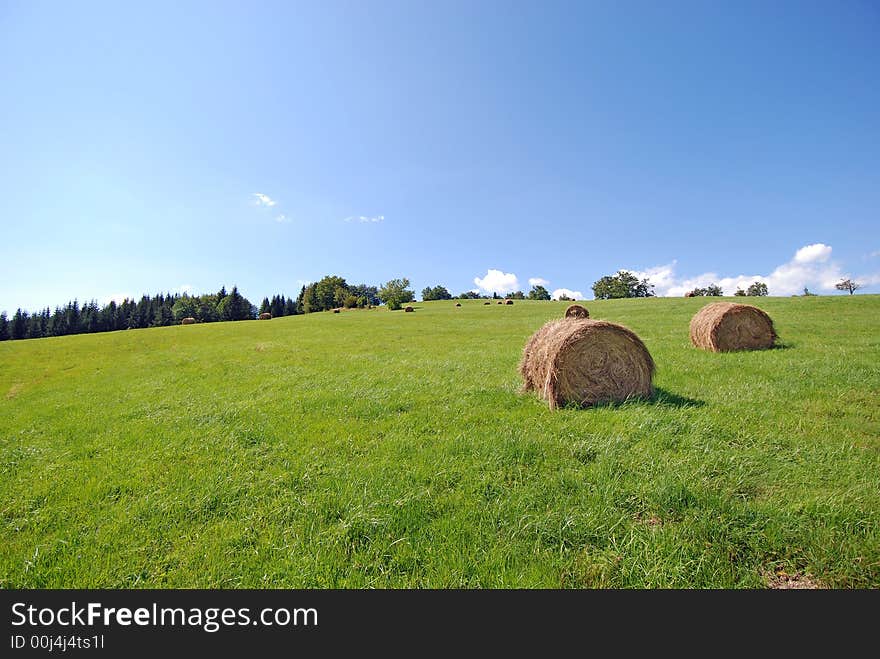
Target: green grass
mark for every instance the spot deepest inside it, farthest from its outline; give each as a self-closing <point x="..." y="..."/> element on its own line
<point x="379" y="449"/>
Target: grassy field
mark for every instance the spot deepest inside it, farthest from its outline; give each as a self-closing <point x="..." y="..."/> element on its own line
<point x="383" y="449"/>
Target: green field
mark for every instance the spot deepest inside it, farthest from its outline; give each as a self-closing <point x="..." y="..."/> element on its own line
<point x="383" y="449"/>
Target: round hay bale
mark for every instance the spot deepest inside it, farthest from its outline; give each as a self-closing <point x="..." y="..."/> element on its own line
<point x="458" y="304"/>
<point x="408" y="309"/>
<point x="508" y="301"/>
<point x="188" y="321"/>
<point x="500" y="302"/>
<point x="336" y="310"/>
<point x="487" y="303"/>
<point x="265" y="316"/>
<point x="728" y="326"/>
<point x="576" y="311"/>
<point x="689" y="294"/>
<point x="584" y="362"/>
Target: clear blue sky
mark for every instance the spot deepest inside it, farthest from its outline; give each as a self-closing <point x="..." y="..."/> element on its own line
<point x="690" y="141"/>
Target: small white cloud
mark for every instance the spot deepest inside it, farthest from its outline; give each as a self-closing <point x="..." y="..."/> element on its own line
<point x="497" y="281"/>
<point x="363" y="219"/>
<point x="817" y="253"/>
<point x="873" y="254"/>
<point x="264" y="200"/>
<point x="118" y="298"/>
<point x="538" y="281"/>
<point x="282" y="219"/>
<point x="559" y="292"/>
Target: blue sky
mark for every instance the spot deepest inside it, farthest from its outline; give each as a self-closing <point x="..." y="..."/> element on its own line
<point x="449" y="142"/>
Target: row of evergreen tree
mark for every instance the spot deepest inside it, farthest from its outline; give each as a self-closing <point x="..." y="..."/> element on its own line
<point x="160" y="310"/>
<point x="150" y="311"/>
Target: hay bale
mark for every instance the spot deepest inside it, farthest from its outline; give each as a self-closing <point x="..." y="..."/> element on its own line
<point x="728" y="326"/>
<point x="487" y="303"/>
<point x="585" y="362"/>
<point x="689" y="294"/>
<point x="336" y="310"/>
<point x="188" y="321"/>
<point x="500" y="302"/>
<point x="458" y="304"/>
<point x="508" y="301"/>
<point x="265" y="316"/>
<point x="408" y="309"/>
<point x="576" y="311"/>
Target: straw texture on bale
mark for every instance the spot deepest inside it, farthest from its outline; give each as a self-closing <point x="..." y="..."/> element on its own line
<point x="188" y="321"/>
<point x="409" y="309"/>
<point x="584" y="362"/>
<point x="265" y="316"/>
<point x="728" y="326"/>
<point x="576" y="311"/>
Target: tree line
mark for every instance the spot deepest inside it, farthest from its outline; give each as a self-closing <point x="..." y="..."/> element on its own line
<point x="165" y="309"/>
<point x="329" y="292"/>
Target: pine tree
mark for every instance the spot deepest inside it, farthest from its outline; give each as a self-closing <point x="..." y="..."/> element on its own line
<point x="290" y="307"/>
<point x="4" y="327"/>
<point x="18" y="328"/>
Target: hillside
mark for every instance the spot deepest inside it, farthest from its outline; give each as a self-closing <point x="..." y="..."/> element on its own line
<point x="381" y="449"/>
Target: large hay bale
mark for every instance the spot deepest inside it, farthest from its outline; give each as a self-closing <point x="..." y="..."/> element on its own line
<point x="408" y="309"/>
<point x="728" y="326"/>
<point x="576" y="311"/>
<point x="265" y="316"/>
<point x="487" y="303"/>
<point x="188" y="321"/>
<point x="458" y="304"/>
<point x="337" y="310"/>
<point x="585" y="362"/>
<point x="508" y="301"/>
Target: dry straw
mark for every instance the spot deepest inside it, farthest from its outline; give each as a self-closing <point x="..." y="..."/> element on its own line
<point x="409" y="309"/>
<point x="585" y="362"/>
<point x="188" y="321"/>
<point x="265" y="316"/>
<point x="728" y="326"/>
<point x="576" y="311"/>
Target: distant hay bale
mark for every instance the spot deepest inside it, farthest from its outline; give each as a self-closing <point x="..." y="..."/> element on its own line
<point x="500" y="302"/>
<point x="458" y="304"/>
<point x="408" y="309"/>
<point x="728" y="326"/>
<point x="336" y="310"/>
<point x="188" y="321"/>
<point x="487" y="303"/>
<point x="585" y="362"/>
<point x="508" y="301"/>
<point x="689" y="294"/>
<point x="576" y="311"/>
<point x="265" y="316"/>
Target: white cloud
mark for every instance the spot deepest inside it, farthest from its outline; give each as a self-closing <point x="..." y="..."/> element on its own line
<point x="873" y="254"/>
<point x="363" y="219"/>
<point x="559" y="292"/>
<point x="496" y="281"/>
<point x="810" y="267"/>
<point x="538" y="281"/>
<point x="264" y="200"/>
<point x="282" y="219"/>
<point x="818" y="253"/>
